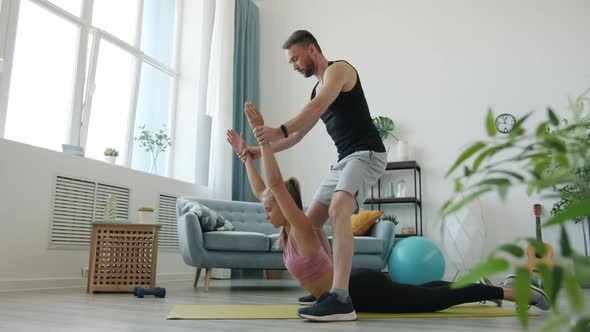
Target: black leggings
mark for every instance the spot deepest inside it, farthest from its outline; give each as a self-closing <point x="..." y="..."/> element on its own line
<point x="374" y="291"/>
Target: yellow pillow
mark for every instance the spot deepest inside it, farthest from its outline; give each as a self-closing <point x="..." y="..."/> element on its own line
<point x="363" y="221"/>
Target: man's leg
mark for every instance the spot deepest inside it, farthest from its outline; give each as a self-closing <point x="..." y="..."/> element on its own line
<point x="341" y="209"/>
<point x="318" y="214"/>
<point x="335" y="305"/>
<point x="352" y="174"/>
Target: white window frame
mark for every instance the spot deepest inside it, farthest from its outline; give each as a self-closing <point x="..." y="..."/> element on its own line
<point x="8" y="23"/>
<point x="82" y="97"/>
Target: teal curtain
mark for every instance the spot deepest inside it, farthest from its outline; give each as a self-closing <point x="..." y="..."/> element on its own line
<point x="246" y="87"/>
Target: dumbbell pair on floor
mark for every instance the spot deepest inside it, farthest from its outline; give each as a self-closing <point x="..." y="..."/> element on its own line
<point x="157" y="292"/>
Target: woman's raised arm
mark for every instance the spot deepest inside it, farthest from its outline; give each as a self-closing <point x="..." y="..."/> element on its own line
<point x="275" y="181"/>
<point x="238" y="143"/>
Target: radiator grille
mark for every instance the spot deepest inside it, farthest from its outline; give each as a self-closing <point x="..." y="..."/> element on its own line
<point x="167" y="218"/>
<point x="77" y="203"/>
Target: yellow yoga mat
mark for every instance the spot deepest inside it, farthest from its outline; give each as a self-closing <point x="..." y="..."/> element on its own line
<point x="240" y="312"/>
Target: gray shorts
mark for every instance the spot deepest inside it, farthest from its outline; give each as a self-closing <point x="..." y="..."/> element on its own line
<point x="353" y="174"/>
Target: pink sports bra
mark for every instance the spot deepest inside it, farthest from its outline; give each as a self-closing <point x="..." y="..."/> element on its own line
<point x="306" y="269"/>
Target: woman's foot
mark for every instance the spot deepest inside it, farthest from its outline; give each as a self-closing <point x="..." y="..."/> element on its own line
<point x="509" y="281"/>
<point x="538" y="297"/>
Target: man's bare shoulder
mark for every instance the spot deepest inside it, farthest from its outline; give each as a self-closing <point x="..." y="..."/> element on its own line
<point x="341" y="66"/>
<point x="343" y="72"/>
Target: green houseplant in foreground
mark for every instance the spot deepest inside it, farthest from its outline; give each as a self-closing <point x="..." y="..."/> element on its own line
<point x="570" y="193"/>
<point x="539" y="162"/>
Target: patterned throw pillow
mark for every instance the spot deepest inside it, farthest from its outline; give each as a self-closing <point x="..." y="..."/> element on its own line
<point x="209" y="219"/>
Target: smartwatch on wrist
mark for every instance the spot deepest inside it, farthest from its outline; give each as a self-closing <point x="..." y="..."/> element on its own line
<point x="284" y="129"/>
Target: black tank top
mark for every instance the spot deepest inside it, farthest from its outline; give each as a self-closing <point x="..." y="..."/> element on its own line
<point x="349" y="122"/>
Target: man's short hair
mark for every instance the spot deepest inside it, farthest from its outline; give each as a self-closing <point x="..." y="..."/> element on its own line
<point x="301" y="37"/>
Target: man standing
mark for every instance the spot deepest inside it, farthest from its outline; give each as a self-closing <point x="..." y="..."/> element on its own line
<point x="338" y="99"/>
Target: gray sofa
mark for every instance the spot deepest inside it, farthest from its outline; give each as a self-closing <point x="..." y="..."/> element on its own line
<point x="250" y="245"/>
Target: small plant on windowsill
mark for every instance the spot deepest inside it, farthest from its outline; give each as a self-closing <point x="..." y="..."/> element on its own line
<point x="110" y="155"/>
<point x="154" y="143"/>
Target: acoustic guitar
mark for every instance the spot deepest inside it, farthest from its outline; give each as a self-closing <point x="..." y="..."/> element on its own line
<point x="534" y="258"/>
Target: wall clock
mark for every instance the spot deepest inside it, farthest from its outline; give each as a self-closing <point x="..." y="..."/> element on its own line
<point x="505" y="123"/>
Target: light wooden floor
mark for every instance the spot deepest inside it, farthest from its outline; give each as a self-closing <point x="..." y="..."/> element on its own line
<point x="74" y="310"/>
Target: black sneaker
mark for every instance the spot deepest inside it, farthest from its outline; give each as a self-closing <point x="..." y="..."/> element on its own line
<point x="308" y="299"/>
<point x="328" y="309"/>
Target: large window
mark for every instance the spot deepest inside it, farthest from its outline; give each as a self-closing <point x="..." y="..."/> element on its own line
<point x="109" y="116"/>
<point x="42" y="83"/>
<point x="154" y="98"/>
<point x="119" y="18"/>
<point x="89" y="73"/>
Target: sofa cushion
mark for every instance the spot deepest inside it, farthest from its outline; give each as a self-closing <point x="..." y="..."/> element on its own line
<point x="209" y="219"/>
<point x="363" y="221"/>
<point x="236" y="241"/>
<point x="365" y="245"/>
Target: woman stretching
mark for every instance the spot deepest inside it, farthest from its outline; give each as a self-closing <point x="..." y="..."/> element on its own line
<point x="310" y="265"/>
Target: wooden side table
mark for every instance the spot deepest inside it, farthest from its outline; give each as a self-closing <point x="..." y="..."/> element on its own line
<point x="122" y="256"/>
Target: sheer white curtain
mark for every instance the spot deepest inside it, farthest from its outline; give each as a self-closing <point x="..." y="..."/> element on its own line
<point x="220" y="98"/>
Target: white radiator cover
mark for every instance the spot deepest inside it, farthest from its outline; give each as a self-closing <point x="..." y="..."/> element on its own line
<point x="168" y="238"/>
<point x="77" y="203"/>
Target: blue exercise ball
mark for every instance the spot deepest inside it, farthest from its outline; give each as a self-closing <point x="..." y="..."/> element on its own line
<point x="416" y="260"/>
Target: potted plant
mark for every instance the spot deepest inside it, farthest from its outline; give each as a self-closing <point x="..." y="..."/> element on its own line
<point x="390" y="217"/>
<point x="538" y="161"/>
<point x="110" y="155"/>
<point x="385" y="126"/>
<point x="154" y="143"/>
<point x="146" y="215"/>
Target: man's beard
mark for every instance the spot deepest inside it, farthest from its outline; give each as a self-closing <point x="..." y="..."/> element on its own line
<point x="308" y="72"/>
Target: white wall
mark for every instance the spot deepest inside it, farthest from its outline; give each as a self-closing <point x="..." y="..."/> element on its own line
<point x="27" y="176"/>
<point x="434" y="67"/>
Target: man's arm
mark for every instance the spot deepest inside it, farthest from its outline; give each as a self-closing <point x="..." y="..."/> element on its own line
<point x="293" y="139"/>
<point x="335" y="77"/>
<point x="280" y="145"/>
<point x="334" y="80"/>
